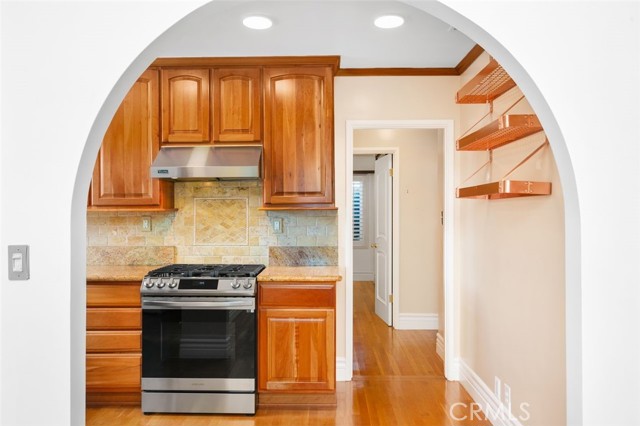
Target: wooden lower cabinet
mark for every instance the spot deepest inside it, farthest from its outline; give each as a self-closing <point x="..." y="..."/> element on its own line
<point x="113" y="343"/>
<point x="296" y="343"/>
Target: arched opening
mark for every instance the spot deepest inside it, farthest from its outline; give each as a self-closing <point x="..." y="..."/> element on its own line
<point x="162" y="45"/>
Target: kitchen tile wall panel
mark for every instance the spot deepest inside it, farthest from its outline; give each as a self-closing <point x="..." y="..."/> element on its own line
<point x="221" y="239"/>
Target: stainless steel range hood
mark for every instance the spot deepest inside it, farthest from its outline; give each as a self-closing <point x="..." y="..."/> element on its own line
<point x="219" y="162"/>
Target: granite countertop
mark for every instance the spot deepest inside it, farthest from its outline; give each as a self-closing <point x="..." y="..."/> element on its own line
<point x="300" y="273"/>
<point x="118" y="272"/>
<point x="272" y="273"/>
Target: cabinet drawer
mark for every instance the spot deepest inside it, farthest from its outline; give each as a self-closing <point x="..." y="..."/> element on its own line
<point x="113" y="373"/>
<point x="113" y="294"/>
<point x="317" y="295"/>
<point x="113" y="341"/>
<point x="114" y="319"/>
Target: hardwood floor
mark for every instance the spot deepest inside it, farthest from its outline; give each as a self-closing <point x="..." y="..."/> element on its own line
<point x="398" y="380"/>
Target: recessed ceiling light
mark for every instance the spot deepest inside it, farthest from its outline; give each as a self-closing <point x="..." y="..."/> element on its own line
<point x="257" y="22"/>
<point x="389" y="21"/>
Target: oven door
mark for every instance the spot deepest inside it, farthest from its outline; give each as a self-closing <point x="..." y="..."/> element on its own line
<point x="199" y="344"/>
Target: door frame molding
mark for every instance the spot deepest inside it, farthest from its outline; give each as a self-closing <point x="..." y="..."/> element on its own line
<point x="451" y="358"/>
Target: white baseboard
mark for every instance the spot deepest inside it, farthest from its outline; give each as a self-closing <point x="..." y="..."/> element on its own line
<point x="485" y="398"/>
<point x="363" y="276"/>
<point x="416" y="322"/>
<point x="342" y="375"/>
<point x="440" y="345"/>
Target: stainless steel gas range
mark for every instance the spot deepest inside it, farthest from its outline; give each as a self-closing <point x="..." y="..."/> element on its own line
<point x="199" y="339"/>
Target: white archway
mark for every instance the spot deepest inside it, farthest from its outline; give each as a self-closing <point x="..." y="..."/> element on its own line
<point x="572" y="227"/>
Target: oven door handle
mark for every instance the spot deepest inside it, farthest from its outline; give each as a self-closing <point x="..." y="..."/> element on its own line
<point x="227" y="304"/>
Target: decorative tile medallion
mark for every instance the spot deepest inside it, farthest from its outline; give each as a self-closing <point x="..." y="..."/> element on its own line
<point x="221" y="221"/>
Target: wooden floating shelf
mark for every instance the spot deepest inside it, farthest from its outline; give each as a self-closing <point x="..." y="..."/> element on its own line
<point x="491" y="82"/>
<point x="505" y="189"/>
<point x="506" y="129"/>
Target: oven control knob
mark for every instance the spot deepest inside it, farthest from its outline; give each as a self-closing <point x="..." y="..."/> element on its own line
<point x="162" y="283"/>
<point x="173" y="283"/>
<point x="148" y="283"/>
<point x="235" y="284"/>
<point x="247" y="284"/>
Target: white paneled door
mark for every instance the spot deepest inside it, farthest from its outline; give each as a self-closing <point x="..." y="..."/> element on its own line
<point x="382" y="237"/>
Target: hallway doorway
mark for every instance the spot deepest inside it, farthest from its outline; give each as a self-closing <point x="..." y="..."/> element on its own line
<point x="372" y="228"/>
<point x="442" y="314"/>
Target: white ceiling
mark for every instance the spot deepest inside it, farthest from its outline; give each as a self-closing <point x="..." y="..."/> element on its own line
<point x="328" y="27"/>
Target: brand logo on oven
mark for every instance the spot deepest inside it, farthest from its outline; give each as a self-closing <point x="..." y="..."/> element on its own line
<point x="197" y="384"/>
<point x="163" y="171"/>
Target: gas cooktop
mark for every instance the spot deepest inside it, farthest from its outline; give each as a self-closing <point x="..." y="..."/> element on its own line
<point x="213" y="271"/>
<point x="201" y="280"/>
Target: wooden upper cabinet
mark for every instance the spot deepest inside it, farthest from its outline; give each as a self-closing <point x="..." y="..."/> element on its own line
<point x="236" y="104"/>
<point x="298" y="137"/>
<point x="121" y="175"/>
<point x="186" y="106"/>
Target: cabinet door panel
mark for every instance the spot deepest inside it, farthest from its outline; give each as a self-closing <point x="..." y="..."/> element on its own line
<point x="185" y="106"/>
<point x="236" y="105"/>
<point x="298" y="140"/>
<point x="297" y="350"/>
<point x="121" y="175"/>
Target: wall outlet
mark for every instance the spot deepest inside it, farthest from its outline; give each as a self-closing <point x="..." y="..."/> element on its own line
<point x="507" y="398"/>
<point x="146" y="224"/>
<point x="278" y="225"/>
<point x="497" y="391"/>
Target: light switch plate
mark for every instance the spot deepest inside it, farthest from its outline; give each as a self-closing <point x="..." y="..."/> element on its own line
<point x="18" y="263"/>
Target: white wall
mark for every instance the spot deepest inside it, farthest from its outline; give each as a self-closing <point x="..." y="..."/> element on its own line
<point x="60" y="61"/>
<point x="512" y="266"/>
<point x="582" y="62"/>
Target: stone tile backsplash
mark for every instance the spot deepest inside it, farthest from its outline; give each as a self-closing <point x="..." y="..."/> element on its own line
<point x="216" y="222"/>
<point x="303" y="256"/>
<point x="130" y="255"/>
